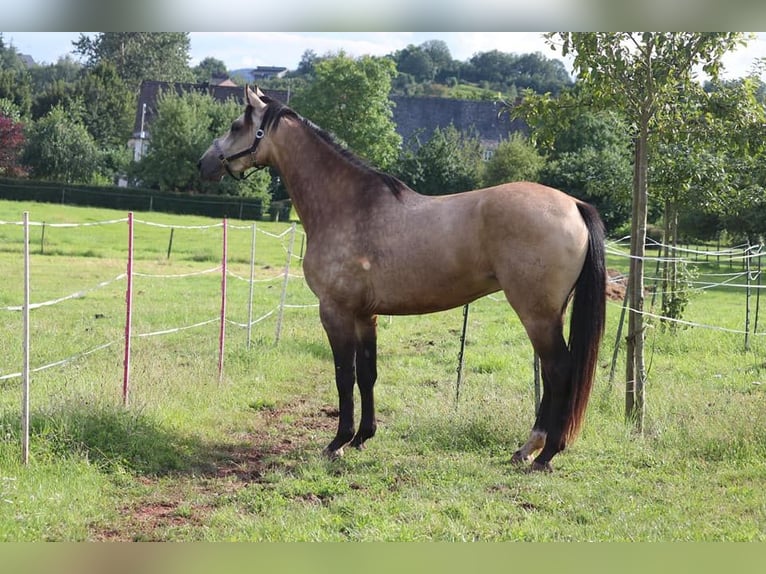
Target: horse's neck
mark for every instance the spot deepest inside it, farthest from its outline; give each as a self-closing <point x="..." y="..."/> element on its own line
<point x="320" y="182"/>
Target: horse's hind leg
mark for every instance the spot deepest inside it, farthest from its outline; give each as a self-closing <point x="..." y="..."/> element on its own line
<point x="547" y="433"/>
<point x="366" y="374"/>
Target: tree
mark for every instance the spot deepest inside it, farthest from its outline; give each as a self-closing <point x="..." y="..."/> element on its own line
<point x="59" y="148"/>
<point x="449" y="162"/>
<point x="108" y="106"/>
<point x="11" y="144"/>
<point x="349" y="98"/>
<point x="137" y="56"/>
<point x="642" y="74"/>
<point x="587" y="150"/>
<point x="416" y="62"/>
<point x="515" y="159"/>
<point x="183" y="129"/>
<point x="210" y="68"/>
<point x="15" y="82"/>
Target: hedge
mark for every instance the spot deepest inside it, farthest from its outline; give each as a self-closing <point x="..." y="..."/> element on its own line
<point x="139" y="199"/>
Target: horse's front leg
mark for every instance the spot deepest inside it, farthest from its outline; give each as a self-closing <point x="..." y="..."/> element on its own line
<point x="340" y="331"/>
<point x="366" y="374"/>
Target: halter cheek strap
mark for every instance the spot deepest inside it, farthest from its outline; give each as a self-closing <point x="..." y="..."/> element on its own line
<point x="224" y="159"/>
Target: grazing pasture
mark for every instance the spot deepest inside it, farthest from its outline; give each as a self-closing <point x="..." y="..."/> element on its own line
<point x="193" y="458"/>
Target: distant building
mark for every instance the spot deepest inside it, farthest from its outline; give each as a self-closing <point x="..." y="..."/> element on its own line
<point x="265" y="72"/>
<point x="27" y="60"/>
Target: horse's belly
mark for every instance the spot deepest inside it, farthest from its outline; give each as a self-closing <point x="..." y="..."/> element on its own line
<point x="428" y="296"/>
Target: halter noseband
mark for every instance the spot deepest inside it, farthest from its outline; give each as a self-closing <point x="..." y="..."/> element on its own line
<point x="224" y="159"/>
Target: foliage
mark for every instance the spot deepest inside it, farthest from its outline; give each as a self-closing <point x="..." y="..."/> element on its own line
<point x="15" y="82"/>
<point x="11" y="145"/>
<point x="108" y="106"/>
<point x="587" y="150"/>
<point x="515" y="159"/>
<point x="449" y="162"/>
<point x="185" y="126"/>
<point x="349" y="98"/>
<point x="209" y="68"/>
<point x="59" y="148"/>
<point x="162" y="56"/>
<point x="527" y="71"/>
<point x="642" y="74"/>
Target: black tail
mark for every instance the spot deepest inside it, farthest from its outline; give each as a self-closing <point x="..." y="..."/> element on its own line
<point x="587" y="322"/>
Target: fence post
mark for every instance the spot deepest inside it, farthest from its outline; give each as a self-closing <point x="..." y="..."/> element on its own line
<point x="25" y="355"/>
<point x="222" y="331"/>
<point x="250" y="299"/>
<point x="461" y="355"/>
<point x="747" y="296"/>
<point x="284" y="285"/>
<point x="758" y="291"/>
<point x="617" y="338"/>
<point x="128" y="315"/>
<point x="170" y="242"/>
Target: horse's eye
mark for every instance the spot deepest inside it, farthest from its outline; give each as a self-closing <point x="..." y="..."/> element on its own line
<point x="235" y="127"/>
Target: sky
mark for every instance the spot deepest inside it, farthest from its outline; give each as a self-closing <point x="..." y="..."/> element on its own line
<point x="250" y="49"/>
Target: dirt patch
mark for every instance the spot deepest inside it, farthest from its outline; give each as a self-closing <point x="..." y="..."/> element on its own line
<point x="274" y="442"/>
<point x="616" y="285"/>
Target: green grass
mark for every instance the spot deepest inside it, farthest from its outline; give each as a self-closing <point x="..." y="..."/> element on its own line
<point x="195" y="459"/>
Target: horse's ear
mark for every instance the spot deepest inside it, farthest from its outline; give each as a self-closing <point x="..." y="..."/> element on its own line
<point x="254" y="98"/>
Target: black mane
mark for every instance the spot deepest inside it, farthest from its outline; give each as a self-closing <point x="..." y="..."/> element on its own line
<point x="276" y="110"/>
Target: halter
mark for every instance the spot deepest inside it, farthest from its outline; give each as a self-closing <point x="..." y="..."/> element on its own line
<point x="249" y="151"/>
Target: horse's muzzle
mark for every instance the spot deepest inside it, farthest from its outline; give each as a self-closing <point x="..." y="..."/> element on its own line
<point x="210" y="168"/>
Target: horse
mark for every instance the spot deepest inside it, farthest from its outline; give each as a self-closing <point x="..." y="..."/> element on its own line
<point x="376" y="247"/>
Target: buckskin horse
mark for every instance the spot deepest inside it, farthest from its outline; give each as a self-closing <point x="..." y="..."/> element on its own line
<point x="375" y="246"/>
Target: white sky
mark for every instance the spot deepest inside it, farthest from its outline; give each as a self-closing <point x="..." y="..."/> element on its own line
<point x="250" y="49"/>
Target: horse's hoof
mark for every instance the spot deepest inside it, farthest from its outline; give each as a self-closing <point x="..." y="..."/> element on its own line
<point x="333" y="454"/>
<point x="541" y="466"/>
<point x="518" y="458"/>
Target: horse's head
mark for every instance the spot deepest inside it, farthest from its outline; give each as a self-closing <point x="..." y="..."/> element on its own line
<point x="238" y="149"/>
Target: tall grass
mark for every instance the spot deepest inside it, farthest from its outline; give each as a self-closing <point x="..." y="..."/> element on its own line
<point x="195" y="459"/>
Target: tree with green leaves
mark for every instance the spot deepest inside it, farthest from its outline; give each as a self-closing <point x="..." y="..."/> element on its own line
<point x="108" y="106"/>
<point x="209" y="68"/>
<point x="448" y="162"/>
<point x="15" y="81"/>
<point x="515" y="159"/>
<point x="587" y="150"/>
<point x="59" y="148"/>
<point x="350" y="98"/>
<point x="641" y="73"/>
<point x="162" y="56"/>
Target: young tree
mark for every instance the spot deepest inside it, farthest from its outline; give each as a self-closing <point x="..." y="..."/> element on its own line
<point x="515" y="159"/>
<point x="209" y="68"/>
<point x="349" y="98"/>
<point x="59" y="148"/>
<point x="642" y="74"/>
<point x="449" y="162"/>
<point x="108" y="106"/>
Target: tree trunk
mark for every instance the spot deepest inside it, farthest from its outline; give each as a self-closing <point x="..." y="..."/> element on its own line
<point x="635" y="368"/>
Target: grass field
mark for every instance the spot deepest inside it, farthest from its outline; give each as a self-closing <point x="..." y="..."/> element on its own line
<point x="193" y="458"/>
